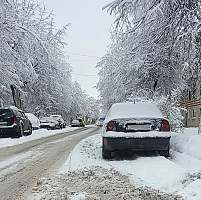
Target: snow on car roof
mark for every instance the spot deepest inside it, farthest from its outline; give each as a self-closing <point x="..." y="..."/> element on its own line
<point x="31" y="116"/>
<point x="133" y="110"/>
<point x="11" y="107"/>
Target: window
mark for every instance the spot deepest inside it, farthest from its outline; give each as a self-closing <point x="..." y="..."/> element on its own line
<point x="5" y="113"/>
<point x="189" y="114"/>
<point x="193" y="113"/>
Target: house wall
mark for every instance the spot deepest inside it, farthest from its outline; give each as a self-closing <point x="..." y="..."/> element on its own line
<point x="192" y="103"/>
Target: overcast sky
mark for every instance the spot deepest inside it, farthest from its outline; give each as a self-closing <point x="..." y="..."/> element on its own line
<point x="87" y="38"/>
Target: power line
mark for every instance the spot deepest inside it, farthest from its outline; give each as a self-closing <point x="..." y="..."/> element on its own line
<point x="84" y="55"/>
<point x="87" y="75"/>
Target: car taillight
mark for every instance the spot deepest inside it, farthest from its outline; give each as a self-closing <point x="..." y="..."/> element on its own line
<point x="13" y="119"/>
<point x="165" y="126"/>
<point x="111" y="126"/>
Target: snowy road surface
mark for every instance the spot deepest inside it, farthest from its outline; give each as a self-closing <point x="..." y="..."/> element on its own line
<point x="86" y="176"/>
<point x="37" y="134"/>
<point x="23" y="164"/>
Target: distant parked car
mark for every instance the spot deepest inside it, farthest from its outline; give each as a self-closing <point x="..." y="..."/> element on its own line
<point x="49" y="123"/>
<point x="135" y="127"/>
<point x="100" y="121"/>
<point x="59" y="119"/>
<point x="77" y="123"/>
<point x="14" y="123"/>
<point x="34" y="120"/>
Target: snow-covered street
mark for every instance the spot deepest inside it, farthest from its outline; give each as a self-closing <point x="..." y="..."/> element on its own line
<point x="37" y="134"/>
<point x="22" y="165"/>
<point x="179" y="175"/>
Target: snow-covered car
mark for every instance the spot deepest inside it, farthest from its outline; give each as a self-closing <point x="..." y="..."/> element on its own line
<point x="77" y="123"/>
<point x="35" y="122"/>
<point x="135" y="127"/>
<point x="59" y="119"/>
<point x="49" y="123"/>
<point x="100" y="121"/>
<point x="14" y="123"/>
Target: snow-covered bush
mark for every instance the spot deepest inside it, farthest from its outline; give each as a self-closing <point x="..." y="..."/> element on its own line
<point x="173" y="112"/>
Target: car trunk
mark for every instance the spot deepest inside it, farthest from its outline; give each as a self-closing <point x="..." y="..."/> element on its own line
<point x="136" y="125"/>
<point x="6" y="117"/>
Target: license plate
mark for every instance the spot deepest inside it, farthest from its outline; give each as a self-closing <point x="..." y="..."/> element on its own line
<point x="139" y="127"/>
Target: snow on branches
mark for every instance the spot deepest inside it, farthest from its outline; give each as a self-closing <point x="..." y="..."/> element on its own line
<point x="32" y="58"/>
<point x="154" y="52"/>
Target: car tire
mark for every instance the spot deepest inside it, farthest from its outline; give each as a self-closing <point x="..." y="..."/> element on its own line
<point x="20" y="132"/>
<point x="30" y="130"/>
<point x="165" y="153"/>
<point x="106" y="154"/>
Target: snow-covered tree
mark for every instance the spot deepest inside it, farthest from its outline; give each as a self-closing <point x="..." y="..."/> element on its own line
<point x="154" y="50"/>
<point x="32" y="59"/>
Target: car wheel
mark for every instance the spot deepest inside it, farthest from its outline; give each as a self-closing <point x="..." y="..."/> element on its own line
<point x="165" y="153"/>
<point x="106" y="154"/>
<point x="30" y="130"/>
<point x="20" y="131"/>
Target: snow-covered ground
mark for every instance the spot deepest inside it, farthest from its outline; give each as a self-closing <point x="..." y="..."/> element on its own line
<point x="180" y="174"/>
<point x="37" y="134"/>
<point x="85" y="175"/>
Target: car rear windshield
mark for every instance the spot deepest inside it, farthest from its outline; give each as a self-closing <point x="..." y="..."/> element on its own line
<point x="5" y="113"/>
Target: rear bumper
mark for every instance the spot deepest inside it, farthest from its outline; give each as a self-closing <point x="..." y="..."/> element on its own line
<point x="8" y="132"/>
<point x="75" y="125"/>
<point x="136" y="144"/>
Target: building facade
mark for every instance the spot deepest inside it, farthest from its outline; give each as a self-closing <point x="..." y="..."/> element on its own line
<point x="191" y="101"/>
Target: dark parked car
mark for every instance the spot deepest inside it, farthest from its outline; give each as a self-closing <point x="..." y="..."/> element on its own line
<point x="135" y="127"/>
<point x="14" y="123"/>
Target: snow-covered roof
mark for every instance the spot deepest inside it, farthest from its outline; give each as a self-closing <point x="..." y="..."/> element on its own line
<point x="133" y="110"/>
<point x="11" y="107"/>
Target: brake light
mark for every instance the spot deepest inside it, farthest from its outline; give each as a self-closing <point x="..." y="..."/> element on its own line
<point x="13" y="119"/>
<point x="111" y="126"/>
<point x="165" y="126"/>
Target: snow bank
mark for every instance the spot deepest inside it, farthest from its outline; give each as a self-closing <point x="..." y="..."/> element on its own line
<point x="93" y="184"/>
<point x="37" y="134"/>
<point x="193" y="191"/>
<point x="181" y="174"/>
<point x="157" y="172"/>
<point x="188" y="143"/>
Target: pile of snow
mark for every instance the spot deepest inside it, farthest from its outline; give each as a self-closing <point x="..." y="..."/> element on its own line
<point x="33" y="119"/>
<point x="188" y="143"/>
<point x="37" y="134"/>
<point x="133" y="110"/>
<point x="146" y="170"/>
<point x="94" y="183"/>
<point x="181" y="174"/>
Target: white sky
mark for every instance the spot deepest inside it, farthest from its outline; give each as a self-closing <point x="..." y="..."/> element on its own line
<point x="89" y="34"/>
